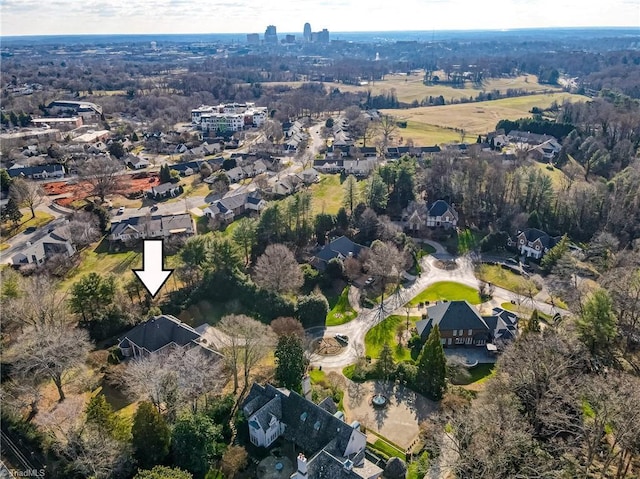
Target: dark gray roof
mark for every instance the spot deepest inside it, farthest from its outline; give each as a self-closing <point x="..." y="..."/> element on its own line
<point x="34" y="170"/>
<point x="159" y="331"/>
<point x="451" y="315"/>
<point x="440" y="207"/>
<point x="182" y="167"/>
<point x="533" y="234"/>
<point x="339" y="246"/>
<point x="326" y="466"/>
<point x="154" y="223"/>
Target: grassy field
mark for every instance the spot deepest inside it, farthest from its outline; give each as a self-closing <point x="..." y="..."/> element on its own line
<point x="342" y="312"/>
<point x="8" y="231"/>
<point x="503" y="278"/>
<point x="481" y="117"/>
<point x="411" y="87"/>
<point x="385" y="332"/>
<point x="447" y="290"/>
<point x="327" y="195"/>
<point x="425" y="135"/>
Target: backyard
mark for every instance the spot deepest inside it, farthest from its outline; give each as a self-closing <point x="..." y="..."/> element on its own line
<point x="505" y="278"/>
<point x="449" y="291"/>
<point x="387" y="332"/>
<point x="341" y="312"/>
<point x="327" y="195"/>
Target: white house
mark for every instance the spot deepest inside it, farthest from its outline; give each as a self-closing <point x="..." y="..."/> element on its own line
<point x="533" y="243"/>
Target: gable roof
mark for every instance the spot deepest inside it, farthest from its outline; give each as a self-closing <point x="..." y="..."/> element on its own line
<point x="451" y="315"/>
<point x="503" y="324"/>
<point x="160" y="331"/>
<point x="18" y="170"/>
<point x="440" y="207"/>
<point x="164" y="188"/>
<point x="532" y="234"/>
<point x="341" y="246"/>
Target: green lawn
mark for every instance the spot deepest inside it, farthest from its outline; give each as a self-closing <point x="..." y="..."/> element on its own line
<point x="8" y="230"/>
<point x="387" y="449"/>
<point x="342" y="312"/>
<point x="525" y="312"/>
<point x="504" y="278"/>
<point x="385" y="332"/>
<point x="327" y="195"/>
<point x="317" y="376"/>
<point x="447" y="290"/>
<point x="479" y="374"/>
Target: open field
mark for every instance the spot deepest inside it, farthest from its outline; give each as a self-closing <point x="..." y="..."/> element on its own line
<point x="504" y="278"/>
<point x="410" y="87"/>
<point x="425" y="135"/>
<point x="480" y="117"/>
<point x="447" y="290"/>
<point x="327" y="195"/>
<point x="386" y="332"/>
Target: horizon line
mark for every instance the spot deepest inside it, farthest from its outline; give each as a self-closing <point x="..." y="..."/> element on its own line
<point x="497" y="30"/>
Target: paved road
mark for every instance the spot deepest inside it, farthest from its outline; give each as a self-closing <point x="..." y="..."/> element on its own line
<point x="368" y="318"/>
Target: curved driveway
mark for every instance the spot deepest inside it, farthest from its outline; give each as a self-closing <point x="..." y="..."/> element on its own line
<point x="357" y="328"/>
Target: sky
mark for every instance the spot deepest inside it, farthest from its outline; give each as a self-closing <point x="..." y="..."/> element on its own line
<point x="58" y="17"/>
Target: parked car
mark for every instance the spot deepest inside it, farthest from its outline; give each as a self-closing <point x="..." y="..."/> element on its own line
<point x="154" y="208"/>
<point x="121" y="210"/>
<point x="369" y="281"/>
<point x="343" y="338"/>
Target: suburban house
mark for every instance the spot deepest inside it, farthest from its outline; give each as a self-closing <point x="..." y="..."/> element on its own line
<point x="160" y="333"/>
<point x="331" y="447"/>
<point x="340" y="248"/>
<point x="533" y="243"/>
<point x="442" y="214"/>
<point x="547" y="151"/>
<point x="235" y="174"/>
<point x="310" y="175"/>
<point x="57" y="242"/>
<point x="288" y="185"/>
<point x="164" y="190"/>
<point x="359" y="167"/>
<point x="226" y="209"/>
<point x="517" y="136"/>
<point x="41" y="172"/>
<point x="186" y="168"/>
<point x="137" y="163"/>
<point x="461" y="324"/>
<point x="329" y="165"/>
<point x="148" y="227"/>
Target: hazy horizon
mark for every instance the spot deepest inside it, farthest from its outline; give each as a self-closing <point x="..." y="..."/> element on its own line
<point x="165" y="17"/>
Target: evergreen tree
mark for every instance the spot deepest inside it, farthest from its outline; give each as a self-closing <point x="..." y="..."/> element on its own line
<point x="5" y="181"/>
<point x="196" y="443"/>
<point x="551" y="258"/>
<point x="386" y="365"/>
<point x="533" y="325"/>
<point x="100" y="416"/>
<point x="165" y="174"/>
<point x="597" y="324"/>
<point x="351" y="193"/>
<point x="432" y="366"/>
<point x="163" y="472"/>
<point x="290" y="362"/>
<point x="151" y="436"/>
<point x="11" y="212"/>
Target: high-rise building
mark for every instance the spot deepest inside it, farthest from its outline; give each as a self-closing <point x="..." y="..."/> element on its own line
<point x="253" y="39"/>
<point x="270" y="35"/>
<point x="307" y="32"/>
<point x="323" y="36"/>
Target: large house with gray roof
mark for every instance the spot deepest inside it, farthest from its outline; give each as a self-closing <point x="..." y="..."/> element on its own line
<point x="159" y="334"/>
<point x="56" y="242"/>
<point x="149" y="227"/>
<point x="533" y="243"/>
<point x="331" y="448"/>
<point x="461" y="324"/>
<point x="341" y="248"/>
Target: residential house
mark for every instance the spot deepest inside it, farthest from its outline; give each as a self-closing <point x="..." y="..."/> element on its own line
<point x="235" y="174"/>
<point x="329" y="165"/>
<point x="340" y="248"/>
<point x="533" y="243"/>
<point x="517" y="136"/>
<point x="41" y="172"/>
<point x="441" y="214"/>
<point x="148" y="227"/>
<point x="159" y="334"/>
<point x="186" y="168"/>
<point x="56" y="242"/>
<point x="360" y="168"/>
<point x="228" y="208"/>
<point x="309" y="176"/>
<point x="288" y="185"/>
<point x="165" y="190"/>
<point x="546" y="151"/>
<point x="460" y="324"/>
<point x="330" y="447"/>
<point x="137" y="163"/>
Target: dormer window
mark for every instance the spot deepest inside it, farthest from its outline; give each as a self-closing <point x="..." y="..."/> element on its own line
<point x="303" y="416"/>
<point x="316" y="426"/>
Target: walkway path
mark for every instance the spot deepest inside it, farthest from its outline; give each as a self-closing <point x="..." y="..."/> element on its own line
<point x="368" y="318"/>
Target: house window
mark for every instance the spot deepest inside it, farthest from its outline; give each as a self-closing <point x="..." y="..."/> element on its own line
<point x="470" y="332"/>
<point x="449" y="341"/>
<point x="468" y="340"/>
<point x="459" y="340"/>
<point x="455" y="332"/>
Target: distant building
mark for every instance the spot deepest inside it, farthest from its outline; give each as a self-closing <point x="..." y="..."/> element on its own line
<point x="228" y="116"/>
<point x="270" y="35"/>
<point x="290" y="39"/>
<point x="307" y="32"/>
<point x="253" y="39"/>
<point x="323" y="36"/>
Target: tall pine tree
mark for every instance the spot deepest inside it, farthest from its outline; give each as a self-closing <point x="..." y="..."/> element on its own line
<point x="432" y="366"/>
<point x="151" y="436"/>
<point x="290" y="362"/>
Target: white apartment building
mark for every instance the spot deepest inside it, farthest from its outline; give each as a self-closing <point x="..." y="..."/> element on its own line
<point x="228" y="116"/>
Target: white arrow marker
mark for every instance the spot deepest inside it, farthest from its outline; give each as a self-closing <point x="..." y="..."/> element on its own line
<point x="153" y="275"/>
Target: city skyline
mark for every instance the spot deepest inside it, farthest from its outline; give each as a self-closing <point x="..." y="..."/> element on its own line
<point x="60" y="17"/>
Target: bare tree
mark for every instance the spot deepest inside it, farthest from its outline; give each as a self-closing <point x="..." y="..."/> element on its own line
<point x="51" y="352"/>
<point x="387" y="128"/>
<point x="386" y="263"/>
<point x="277" y="270"/>
<point x="246" y="343"/>
<point x="83" y="228"/>
<point x="26" y="193"/>
<point x="38" y="304"/>
<point x="287" y="325"/>
<point x="102" y="173"/>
